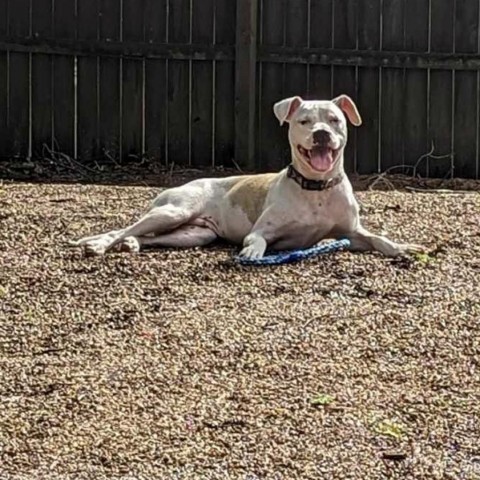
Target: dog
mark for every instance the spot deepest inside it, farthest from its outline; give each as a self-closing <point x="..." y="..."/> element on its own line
<point x="310" y="200"/>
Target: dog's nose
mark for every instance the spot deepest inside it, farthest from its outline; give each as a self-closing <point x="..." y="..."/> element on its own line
<point x="321" y="137"/>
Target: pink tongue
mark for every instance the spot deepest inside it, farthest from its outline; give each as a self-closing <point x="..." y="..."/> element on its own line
<point x="321" y="160"/>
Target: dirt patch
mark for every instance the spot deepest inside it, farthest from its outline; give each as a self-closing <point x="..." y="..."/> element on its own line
<point x="180" y="365"/>
<point x="151" y="173"/>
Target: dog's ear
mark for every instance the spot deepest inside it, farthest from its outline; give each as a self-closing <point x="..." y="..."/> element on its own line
<point x="286" y="108"/>
<point x="347" y="105"/>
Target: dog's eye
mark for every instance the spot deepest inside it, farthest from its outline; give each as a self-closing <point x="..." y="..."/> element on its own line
<point x="304" y="122"/>
<point x="334" y="120"/>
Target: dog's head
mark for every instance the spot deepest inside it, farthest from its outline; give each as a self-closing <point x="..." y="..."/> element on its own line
<point x="317" y="131"/>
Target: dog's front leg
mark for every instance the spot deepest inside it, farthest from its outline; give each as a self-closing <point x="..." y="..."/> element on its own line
<point x="263" y="233"/>
<point x="362" y="240"/>
<point x="254" y="245"/>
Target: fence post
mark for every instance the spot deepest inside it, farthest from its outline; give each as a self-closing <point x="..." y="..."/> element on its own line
<point x="245" y="82"/>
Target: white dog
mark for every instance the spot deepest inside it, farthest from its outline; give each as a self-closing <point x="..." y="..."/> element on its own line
<point x="298" y="207"/>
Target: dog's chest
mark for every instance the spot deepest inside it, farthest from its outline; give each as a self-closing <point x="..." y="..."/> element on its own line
<point x="306" y="223"/>
<point x="326" y="207"/>
<point x="315" y="217"/>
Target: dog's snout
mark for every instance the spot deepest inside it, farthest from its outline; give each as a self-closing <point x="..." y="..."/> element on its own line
<point x="321" y="137"/>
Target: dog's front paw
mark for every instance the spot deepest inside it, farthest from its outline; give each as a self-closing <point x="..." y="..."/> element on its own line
<point x="411" y="248"/>
<point x="254" y="246"/>
<point x="130" y="245"/>
<point x="252" y="252"/>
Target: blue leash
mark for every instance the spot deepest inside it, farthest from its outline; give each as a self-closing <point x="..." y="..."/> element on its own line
<point x="292" y="256"/>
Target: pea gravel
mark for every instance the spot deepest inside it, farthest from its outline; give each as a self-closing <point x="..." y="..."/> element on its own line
<point x="176" y="364"/>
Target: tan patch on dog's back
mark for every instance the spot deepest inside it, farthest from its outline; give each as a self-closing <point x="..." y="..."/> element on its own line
<point x="250" y="192"/>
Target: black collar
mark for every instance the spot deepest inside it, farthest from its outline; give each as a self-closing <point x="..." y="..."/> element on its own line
<point x="308" y="184"/>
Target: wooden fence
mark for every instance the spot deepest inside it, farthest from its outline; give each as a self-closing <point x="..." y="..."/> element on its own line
<point x="192" y="82"/>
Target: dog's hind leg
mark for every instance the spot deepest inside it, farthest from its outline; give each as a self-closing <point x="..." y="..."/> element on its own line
<point x="163" y="218"/>
<point x="186" y="236"/>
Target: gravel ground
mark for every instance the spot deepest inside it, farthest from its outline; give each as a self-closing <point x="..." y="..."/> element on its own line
<point x="181" y="365"/>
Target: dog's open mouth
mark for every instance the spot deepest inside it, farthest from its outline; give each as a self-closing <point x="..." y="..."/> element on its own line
<point x="321" y="158"/>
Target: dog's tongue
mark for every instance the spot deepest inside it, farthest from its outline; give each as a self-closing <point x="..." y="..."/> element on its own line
<point x="321" y="159"/>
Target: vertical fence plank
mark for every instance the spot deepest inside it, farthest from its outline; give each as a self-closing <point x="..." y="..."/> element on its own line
<point x="441" y="88"/>
<point x="202" y="82"/>
<point x="88" y="126"/>
<point x="344" y="78"/>
<point x="415" y="103"/>
<point x="345" y="83"/>
<point x="63" y="80"/>
<point x="179" y="86"/>
<point x="345" y="24"/>
<point x="225" y="17"/>
<point x="132" y="82"/>
<point x="321" y="36"/>
<point x="369" y="24"/>
<point x="3" y="82"/>
<point x="109" y="108"/>
<point x="19" y="71"/>
<point x="392" y="121"/>
<point x="245" y="82"/>
<point x="368" y="88"/>
<point x="179" y="95"/>
<point x="42" y="99"/>
<point x="155" y="82"/>
<point x="466" y="93"/>
<point x="296" y="35"/>
<point x="274" y="151"/>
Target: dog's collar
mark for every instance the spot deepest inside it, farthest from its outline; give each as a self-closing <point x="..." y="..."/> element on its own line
<point x="308" y="184"/>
